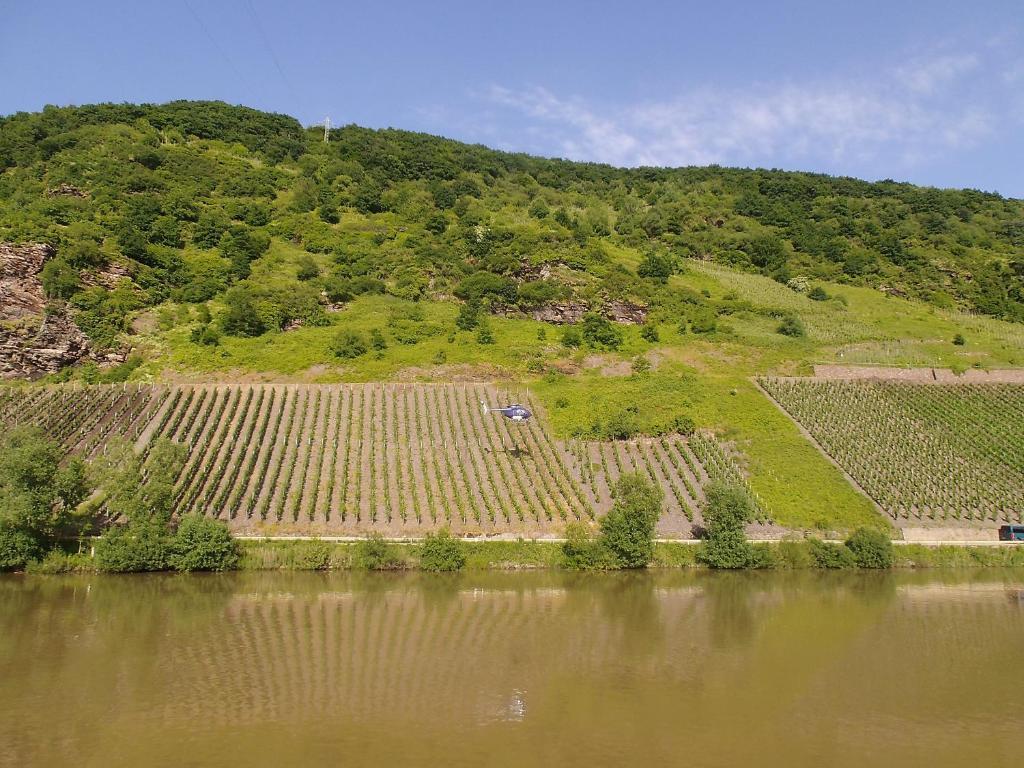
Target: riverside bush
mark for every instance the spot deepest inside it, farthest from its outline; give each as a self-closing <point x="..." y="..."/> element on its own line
<point x="17" y="547"/>
<point x="832" y="556"/>
<point x="143" y="546"/>
<point x="627" y="531"/>
<point x="580" y="550"/>
<point x="727" y="510"/>
<point x="871" y="548"/>
<point x="442" y="552"/>
<point x="375" y="554"/>
<point x="202" y="544"/>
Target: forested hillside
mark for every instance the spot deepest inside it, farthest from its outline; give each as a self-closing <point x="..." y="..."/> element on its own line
<point x="187" y="198"/>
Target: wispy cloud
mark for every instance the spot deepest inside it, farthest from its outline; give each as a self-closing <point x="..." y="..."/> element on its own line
<point x="926" y="107"/>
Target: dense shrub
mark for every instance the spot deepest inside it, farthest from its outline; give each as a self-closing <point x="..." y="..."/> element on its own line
<point x="727" y="510"/>
<point x="582" y="551"/>
<point x="202" y="544"/>
<point x="349" y="344"/>
<point x="135" y="547"/>
<point x="374" y="553"/>
<point x="17" y="547"/>
<point x="627" y="531"/>
<point x="792" y="326"/>
<point x="871" y="548"/>
<point x="600" y="332"/>
<point x="826" y="555"/>
<point x="442" y="552"/>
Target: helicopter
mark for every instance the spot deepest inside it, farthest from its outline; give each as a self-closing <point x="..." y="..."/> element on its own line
<point x="514" y="412"/>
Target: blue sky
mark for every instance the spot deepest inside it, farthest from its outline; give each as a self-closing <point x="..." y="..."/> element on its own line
<point x="930" y="92"/>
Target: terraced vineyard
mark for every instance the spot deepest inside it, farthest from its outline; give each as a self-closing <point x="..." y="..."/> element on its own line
<point x="401" y="459"/>
<point x="923" y="452"/>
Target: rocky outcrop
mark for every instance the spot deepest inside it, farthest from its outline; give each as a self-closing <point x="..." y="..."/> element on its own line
<point x="571" y="312"/>
<point x="625" y="312"/>
<point x="66" y="190"/>
<point x="34" y="339"/>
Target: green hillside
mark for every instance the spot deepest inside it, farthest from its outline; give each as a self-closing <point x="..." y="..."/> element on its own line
<point x="248" y="249"/>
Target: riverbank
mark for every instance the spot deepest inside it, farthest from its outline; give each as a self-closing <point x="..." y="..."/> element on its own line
<point x="343" y="555"/>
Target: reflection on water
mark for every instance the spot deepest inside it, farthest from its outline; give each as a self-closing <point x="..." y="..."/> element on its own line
<point x="512" y="669"/>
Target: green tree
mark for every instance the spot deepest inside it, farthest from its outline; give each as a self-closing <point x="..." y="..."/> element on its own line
<point x="727" y="510"/>
<point x="627" y="531"/>
<point x="242" y="317"/>
<point x="38" y="496"/>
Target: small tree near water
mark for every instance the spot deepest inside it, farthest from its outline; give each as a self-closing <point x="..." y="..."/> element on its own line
<point x="627" y="531"/>
<point x="727" y="511"/>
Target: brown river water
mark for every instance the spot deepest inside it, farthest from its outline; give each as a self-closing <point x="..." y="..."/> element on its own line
<point x="513" y="669"/>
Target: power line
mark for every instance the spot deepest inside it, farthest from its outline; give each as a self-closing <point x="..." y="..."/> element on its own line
<point x="219" y="48"/>
<point x="270" y="50"/>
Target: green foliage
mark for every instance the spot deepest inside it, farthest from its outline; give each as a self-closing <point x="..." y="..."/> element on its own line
<point x="871" y="548"/>
<point x="649" y="332"/>
<point x="60" y="280"/>
<point x="38" y="496"/>
<point x="831" y="556"/>
<point x="704" y="320"/>
<point x="728" y="508"/>
<point x="599" y="332"/>
<point x="627" y="531"/>
<point x="959" y="340"/>
<point x="18" y="547"/>
<point x="817" y="293"/>
<point x="377" y="341"/>
<point x="135" y="547"/>
<point x="166" y="182"/>
<point x="469" y="315"/>
<point x="349" y="344"/>
<point x="571" y="337"/>
<point x="242" y="317"/>
<point x="484" y="334"/>
<point x="374" y="553"/>
<point x="202" y="544"/>
<point x="793" y="326"/>
<point x="657" y="267"/>
<point x="581" y="551"/>
<point x="442" y="552"/>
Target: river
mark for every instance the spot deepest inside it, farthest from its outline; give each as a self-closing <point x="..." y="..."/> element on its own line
<point x="513" y="669"/>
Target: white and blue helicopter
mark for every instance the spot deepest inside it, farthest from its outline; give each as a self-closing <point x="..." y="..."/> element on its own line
<point x="514" y="412"/>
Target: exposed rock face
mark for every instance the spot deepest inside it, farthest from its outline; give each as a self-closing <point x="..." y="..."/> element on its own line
<point x="21" y="293"/>
<point x="32" y="342"/>
<point x="625" y="312"/>
<point x="571" y="312"/>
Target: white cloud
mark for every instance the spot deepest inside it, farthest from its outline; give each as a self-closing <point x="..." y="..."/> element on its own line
<point x="929" y="75"/>
<point x="917" y="111"/>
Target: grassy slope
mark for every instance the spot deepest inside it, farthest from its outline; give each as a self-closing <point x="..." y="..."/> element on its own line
<point x="706" y="377"/>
